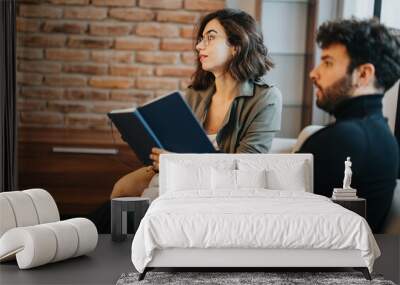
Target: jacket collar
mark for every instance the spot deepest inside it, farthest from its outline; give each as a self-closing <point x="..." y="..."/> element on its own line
<point x="246" y="89"/>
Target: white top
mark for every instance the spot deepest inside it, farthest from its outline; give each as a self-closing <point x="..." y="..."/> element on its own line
<point x="213" y="139"/>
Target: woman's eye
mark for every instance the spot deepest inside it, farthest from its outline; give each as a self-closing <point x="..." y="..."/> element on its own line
<point x="210" y="37"/>
<point x="328" y="63"/>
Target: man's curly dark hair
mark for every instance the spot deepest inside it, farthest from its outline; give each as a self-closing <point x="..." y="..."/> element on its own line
<point x="366" y="41"/>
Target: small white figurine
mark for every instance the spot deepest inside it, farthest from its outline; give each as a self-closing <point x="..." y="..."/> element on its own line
<point x="347" y="174"/>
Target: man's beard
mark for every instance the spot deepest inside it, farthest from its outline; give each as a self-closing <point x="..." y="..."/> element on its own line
<point x="337" y="92"/>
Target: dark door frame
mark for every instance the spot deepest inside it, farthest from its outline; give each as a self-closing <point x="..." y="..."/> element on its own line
<point x="8" y="116"/>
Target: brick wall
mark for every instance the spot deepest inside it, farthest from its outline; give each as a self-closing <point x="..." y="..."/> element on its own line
<point x="78" y="59"/>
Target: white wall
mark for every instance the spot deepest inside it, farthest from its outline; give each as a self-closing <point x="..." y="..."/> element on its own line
<point x="390" y="17"/>
<point x="248" y="6"/>
<point x="357" y="8"/>
<point x="390" y="13"/>
<point x="327" y="10"/>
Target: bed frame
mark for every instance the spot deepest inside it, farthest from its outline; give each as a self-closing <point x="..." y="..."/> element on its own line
<point x="246" y="258"/>
<point x="256" y="258"/>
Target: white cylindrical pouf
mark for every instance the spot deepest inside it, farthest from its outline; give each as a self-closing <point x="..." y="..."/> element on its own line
<point x="23" y="208"/>
<point x="45" y="205"/>
<point x="7" y="218"/>
<point x="67" y="239"/>
<point x="87" y="235"/>
<point x="34" y="246"/>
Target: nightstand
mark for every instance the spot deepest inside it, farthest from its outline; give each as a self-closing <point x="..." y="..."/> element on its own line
<point x="357" y="205"/>
<point x="119" y="208"/>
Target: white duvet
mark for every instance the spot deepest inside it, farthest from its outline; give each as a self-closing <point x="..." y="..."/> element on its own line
<point x="250" y="219"/>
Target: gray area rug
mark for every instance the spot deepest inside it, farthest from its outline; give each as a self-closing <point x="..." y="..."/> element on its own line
<point x="225" y="278"/>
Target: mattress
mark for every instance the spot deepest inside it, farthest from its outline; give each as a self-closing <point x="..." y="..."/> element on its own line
<point x="251" y="219"/>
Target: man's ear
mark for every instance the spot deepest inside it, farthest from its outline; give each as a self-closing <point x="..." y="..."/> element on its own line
<point x="365" y="75"/>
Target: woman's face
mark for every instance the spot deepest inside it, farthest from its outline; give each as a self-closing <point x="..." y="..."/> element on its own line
<point x="213" y="49"/>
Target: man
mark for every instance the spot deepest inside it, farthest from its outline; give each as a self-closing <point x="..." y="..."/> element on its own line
<point x="360" y="60"/>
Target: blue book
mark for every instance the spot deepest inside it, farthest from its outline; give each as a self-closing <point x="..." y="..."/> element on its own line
<point x="167" y="123"/>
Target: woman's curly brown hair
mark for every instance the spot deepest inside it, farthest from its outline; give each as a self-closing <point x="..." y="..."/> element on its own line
<point x="366" y="41"/>
<point x="251" y="60"/>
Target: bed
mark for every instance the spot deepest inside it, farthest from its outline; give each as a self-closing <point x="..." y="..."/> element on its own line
<point x="246" y="211"/>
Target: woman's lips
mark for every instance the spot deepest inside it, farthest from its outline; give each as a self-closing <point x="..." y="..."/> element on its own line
<point x="202" y="57"/>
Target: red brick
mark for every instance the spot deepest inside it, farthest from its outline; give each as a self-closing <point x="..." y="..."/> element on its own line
<point x="157" y="83"/>
<point x="105" y="107"/>
<point x="67" y="54"/>
<point x="42" y="92"/>
<point x="67" y="107"/>
<point x="112" y="56"/>
<point x="111" y="82"/>
<point x="40" y="66"/>
<point x="188" y="32"/>
<point x="40" y="11"/>
<point x="86" y="121"/>
<point x="184" y="83"/>
<point x="69" y="2"/>
<point x="110" y="29"/>
<point x="85" y="93"/>
<point x="130" y="70"/>
<point x="64" y="27"/>
<point x="137" y="43"/>
<point x="175" y="70"/>
<point x="86" y="68"/>
<point x="161" y="4"/>
<point x="65" y="80"/>
<point x="157" y="30"/>
<point x="131" y="14"/>
<point x="126" y="3"/>
<point x="189" y="57"/>
<point x="89" y="42"/>
<point x="177" y="44"/>
<point x="204" y="5"/>
<point x="30" y="105"/>
<point x="178" y="17"/>
<point x="27" y="25"/>
<point x="160" y="93"/>
<point x="85" y="13"/>
<point x="42" y="118"/>
<point x="157" y="57"/>
<point x="42" y="40"/>
<point x="29" y="78"/>
<point x="134" y="96"/>
<point x="29" y="53"/>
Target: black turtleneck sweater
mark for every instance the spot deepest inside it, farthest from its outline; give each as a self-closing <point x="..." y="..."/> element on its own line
<point x="361" y="132"/>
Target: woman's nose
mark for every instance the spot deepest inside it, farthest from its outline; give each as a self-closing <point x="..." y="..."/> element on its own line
<point x="200" y="46"/>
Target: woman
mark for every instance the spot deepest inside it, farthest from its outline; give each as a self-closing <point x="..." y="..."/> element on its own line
<point x="238" y="110"/>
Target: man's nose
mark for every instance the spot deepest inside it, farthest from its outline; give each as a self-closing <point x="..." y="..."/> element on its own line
<point x="313" y="73"/>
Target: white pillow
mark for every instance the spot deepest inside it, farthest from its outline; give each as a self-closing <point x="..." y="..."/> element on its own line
<point x="292" y="179"/>
<point x="281" y="174"/>
<point x="223" y="179"/>
<point x="237" y="179"/>
<point x="183" y="177"/>
<point x="251" y="178"/>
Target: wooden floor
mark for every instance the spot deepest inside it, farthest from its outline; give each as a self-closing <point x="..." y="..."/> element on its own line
<point x="110" y="259"/>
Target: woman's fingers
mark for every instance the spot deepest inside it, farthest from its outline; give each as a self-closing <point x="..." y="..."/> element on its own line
<point x="156" y="150"/>
<point x="155" y="156"/>
<point x="155" y="165"/>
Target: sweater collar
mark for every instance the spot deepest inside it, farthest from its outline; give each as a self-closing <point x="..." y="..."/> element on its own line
<point x="359" y="107"/>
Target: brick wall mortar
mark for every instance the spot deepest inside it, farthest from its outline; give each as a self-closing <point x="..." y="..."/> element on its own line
<point x="78" y="59"/>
